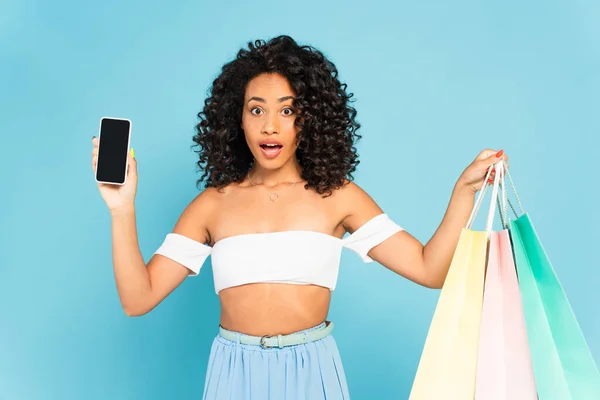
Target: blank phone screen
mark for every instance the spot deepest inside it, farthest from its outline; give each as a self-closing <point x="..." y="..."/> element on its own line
<point x="112" y="150"/>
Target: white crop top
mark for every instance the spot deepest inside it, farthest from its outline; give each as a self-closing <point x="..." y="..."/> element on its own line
<point x="295" y="257"/>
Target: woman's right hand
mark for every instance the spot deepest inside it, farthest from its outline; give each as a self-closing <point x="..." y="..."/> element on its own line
<point x="117" y="197"/>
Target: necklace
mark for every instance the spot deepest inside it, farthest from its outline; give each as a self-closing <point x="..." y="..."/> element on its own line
<point x="272" y="195"/>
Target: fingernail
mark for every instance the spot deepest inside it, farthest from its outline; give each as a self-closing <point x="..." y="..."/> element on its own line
<point x="499" y="154"/>
<point x="132" y="153"/>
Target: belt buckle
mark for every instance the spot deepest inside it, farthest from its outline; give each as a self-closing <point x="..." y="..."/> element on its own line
<point x="262" y="342"/>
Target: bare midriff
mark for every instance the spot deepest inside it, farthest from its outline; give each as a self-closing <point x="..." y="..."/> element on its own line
<point x="260" y="309"/>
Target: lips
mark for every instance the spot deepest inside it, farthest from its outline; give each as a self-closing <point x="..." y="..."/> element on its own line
<point x="270" y="148"/>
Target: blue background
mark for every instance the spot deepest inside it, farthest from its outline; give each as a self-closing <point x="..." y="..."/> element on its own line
<point x="435" y="83"/>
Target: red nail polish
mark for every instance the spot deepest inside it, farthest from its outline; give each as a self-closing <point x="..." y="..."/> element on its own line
<point x="499" y="154"/>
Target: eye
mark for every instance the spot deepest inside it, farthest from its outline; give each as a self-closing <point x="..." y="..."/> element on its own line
<point x="290" y="111"/>
<point x="252" y="111"/>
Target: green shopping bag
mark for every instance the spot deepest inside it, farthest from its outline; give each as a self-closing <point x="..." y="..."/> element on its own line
<point x="563" y="365"/>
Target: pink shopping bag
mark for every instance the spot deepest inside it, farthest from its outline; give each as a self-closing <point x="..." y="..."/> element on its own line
<point x="504" y="367"/>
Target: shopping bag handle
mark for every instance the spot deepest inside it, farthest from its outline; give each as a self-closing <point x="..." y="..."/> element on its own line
<point x="481" y="195"/>
<point x="479" y="198"/>
<point x="503" y="198"/>
<point x="516" y="195"/>
<point x="506" y="201"/>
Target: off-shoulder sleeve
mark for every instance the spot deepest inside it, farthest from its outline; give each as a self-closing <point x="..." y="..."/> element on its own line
<point x="370" y="234"/>
<point x="187" y="252"/>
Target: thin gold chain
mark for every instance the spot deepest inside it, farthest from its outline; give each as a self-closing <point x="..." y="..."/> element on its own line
<point x="272" y="195"/>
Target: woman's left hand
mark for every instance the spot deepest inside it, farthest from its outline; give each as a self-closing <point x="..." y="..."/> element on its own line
<point x="473" y="176"/>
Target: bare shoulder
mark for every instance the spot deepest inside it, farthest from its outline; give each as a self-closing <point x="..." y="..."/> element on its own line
<point x="350" y="191"/>
<point x="356" y="204"/>
<point x="352" y="197"/>
<point x="194" y="220"/>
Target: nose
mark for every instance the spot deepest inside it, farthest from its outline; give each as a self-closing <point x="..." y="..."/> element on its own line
<point x="271" y="125"/>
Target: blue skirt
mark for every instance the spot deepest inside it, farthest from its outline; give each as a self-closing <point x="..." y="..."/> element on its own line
<point x="306" y="371"/>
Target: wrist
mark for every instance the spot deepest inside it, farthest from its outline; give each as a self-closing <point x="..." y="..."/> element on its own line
<point x="124" y="210"/>
<point x="464" y="189"/>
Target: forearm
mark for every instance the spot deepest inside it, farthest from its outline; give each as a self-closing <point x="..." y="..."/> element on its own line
<point x="131" y="275"/>
<point x="438" y="252"/>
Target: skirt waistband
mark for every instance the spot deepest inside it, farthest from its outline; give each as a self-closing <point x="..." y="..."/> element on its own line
<point x="280" y="341"/>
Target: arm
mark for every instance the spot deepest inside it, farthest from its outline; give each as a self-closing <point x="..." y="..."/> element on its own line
<point x="141" y="287"/>
<point x="426" y="264"/>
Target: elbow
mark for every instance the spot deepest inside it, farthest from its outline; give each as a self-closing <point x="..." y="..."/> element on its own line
<point x="438" y="281"/>
<point x="433" y="283"/>
<point x="135" y="310"/>
<point x="132" y="312"/>
<point x="437" y="285"/>
<point x="434" y="280"/>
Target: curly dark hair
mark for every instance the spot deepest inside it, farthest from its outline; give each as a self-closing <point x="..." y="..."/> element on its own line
<point x="327" y="127"/>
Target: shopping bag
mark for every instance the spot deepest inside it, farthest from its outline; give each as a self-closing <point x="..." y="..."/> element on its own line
<point x="562" y="362"/>
<point x="448" y="363"/>
<point x="504" y="369"/>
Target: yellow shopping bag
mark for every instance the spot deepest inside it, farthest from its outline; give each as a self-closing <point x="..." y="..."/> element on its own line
<point x="448" y="365"/>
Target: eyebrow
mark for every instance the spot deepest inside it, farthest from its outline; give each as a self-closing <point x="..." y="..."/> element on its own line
<point x="280" y="100"/>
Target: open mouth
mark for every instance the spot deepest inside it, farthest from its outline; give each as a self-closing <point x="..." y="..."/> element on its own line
<point x="270" y="148"/>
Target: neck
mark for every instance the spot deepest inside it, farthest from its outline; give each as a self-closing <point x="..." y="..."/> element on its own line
<point x="288" y="173"/>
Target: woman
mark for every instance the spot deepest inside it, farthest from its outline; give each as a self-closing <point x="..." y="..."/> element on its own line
<point x="275" y="143"/>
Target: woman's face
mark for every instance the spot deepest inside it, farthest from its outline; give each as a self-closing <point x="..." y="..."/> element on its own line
<point x="268" y="120"/>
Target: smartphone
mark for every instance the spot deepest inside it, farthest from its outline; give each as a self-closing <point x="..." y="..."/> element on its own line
<point x="113" y="148"/>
